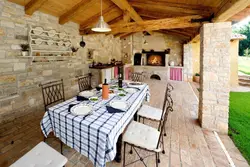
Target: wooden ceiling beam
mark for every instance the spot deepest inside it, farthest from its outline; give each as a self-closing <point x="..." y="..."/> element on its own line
<point x="182" y="32"/>
<point x="230" y="8"/>
<point x="95" y="18"/>
<point x="33" y="6"/>
<point x="175" y="33"/>
<point x="173" y="4"/>
<point x="168" y="23"/>
<point x="126" y="17"/>
<point x="125" y="6"/>
<point x="159" y="6"/>
<point x="116" y="20"/>
<point x="156" y="15"/>
<point x="81" y="6"/>
<point x="123" y="35"/>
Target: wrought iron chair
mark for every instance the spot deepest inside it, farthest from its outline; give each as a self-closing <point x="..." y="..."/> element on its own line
<point x="53" y="92"/>
<point x="156" y="114"/>
<point x="137" y="77"/>
<point x="144" y="137"/>
<point x="84" y="82"/>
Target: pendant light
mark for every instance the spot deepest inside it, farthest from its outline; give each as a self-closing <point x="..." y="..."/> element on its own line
<point x="101" y="25"/>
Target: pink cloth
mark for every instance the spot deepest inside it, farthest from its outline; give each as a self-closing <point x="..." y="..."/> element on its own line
<point x="175" y="74"/>
<point x="116" y="72"/>
<point x="127" y="72"/>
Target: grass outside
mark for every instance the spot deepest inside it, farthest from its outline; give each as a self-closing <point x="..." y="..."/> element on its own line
<point x="244" y="65"/>
<point x="239" y="121"/>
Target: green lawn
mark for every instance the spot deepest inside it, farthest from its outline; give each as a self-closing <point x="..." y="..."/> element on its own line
<point x="244" y="66"/>
<point x="239" y="121"/>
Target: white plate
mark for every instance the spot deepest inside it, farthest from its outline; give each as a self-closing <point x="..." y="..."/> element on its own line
<point x="86" y="94"/>
<point x="38" y="41"/>
<point x="60" y="43"/>
<point x="119" y="104"/>
<point x="62" y="34"/>
<point x="131" y="90"/>
<point x="50" y="42"/>
<point x="38" y="30"/>
<point x="67" y="44"/>
<point x="138" y="84"/>
<point x="81" y="109"/>
<point x="51" y="33"/>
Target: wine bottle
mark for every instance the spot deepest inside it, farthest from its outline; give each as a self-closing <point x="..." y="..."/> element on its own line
<point x="120" y="81"/>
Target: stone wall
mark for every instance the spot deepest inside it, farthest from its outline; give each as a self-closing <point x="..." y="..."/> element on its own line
<point x="188" y="62"/>
<point x="215" y="76"/>
<point x="157" y="41"/>
<point x="19" y="78"/>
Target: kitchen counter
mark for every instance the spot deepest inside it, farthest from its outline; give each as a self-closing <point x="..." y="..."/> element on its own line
<point x="105" y="66"/>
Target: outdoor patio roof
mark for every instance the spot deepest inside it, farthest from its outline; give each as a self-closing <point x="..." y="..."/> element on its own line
<point x="126" y="17"/>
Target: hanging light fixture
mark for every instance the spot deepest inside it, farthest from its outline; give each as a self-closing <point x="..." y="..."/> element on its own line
<point x="101" y="25"/>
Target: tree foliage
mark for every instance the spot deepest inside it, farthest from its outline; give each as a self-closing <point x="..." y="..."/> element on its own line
<point x="244" y="46"/>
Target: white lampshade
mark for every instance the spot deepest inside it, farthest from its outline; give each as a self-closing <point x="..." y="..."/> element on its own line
<point x="101" y="26"/>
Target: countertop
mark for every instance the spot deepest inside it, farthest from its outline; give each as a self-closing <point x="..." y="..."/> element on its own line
<point x="100" y="67"/>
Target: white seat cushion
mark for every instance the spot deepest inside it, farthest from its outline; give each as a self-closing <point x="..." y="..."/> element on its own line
<point x="141" y="135"/>
<point x="41" y="155"/>
<point x="150" y="112"/>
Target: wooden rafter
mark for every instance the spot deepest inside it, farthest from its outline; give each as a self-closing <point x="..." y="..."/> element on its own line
<point x="168" y="23"/>
<point x="95" y="18"/>
<point x="173" y="4"/>
<point x="125" y="6"/>
<point x="181" y="32"/>
<point x="116" y="20"/>
<point x="230" y="8"/>
<point x="81" y="6"/>
<point x="33" y="6"/>
<point x="126" y="17"/>
<point x="174" y="8"/>
<point x="175" y="34"/>
<point x="123" y="35"/>
<point x="156" y="15"/>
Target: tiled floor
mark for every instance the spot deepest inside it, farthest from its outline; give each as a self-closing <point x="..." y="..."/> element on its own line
<point x="186" y="143"/>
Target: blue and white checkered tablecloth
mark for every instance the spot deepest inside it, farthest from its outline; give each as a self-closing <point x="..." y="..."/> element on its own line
<point x="95" y="135"/>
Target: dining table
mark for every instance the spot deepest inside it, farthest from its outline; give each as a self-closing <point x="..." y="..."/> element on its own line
<point x="97" y="136"/>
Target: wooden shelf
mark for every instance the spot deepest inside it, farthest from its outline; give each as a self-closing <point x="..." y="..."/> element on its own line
<point x="43" y="56"/>
<point x="53" y="51"/>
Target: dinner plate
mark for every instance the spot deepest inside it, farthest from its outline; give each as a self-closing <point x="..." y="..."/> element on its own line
<point x="119" y="104"/>
<point x="135" y="84"/>
<point x="51" y="33"/>
<point x="86" y="93"/>
<point x="60" y="43"/>
<point x="131" y="90"/>
<point x="81" y="109"/>
<point x="38" y="41"/>
<point x="38" y="30"/>
<point x="62" y="34"/>
<point x="67" y="44"/>
<point x="50" y="42"/>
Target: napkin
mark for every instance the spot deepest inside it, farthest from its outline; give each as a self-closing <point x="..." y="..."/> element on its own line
<point x="113" y="110"/>
<point x="98" y="88"/>
<point x="70" y="106"/>
<point x="81" y="98"/>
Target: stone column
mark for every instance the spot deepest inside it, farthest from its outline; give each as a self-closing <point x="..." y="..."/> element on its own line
<point x="215" y="76"/>
<point x="187" y="62"/>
